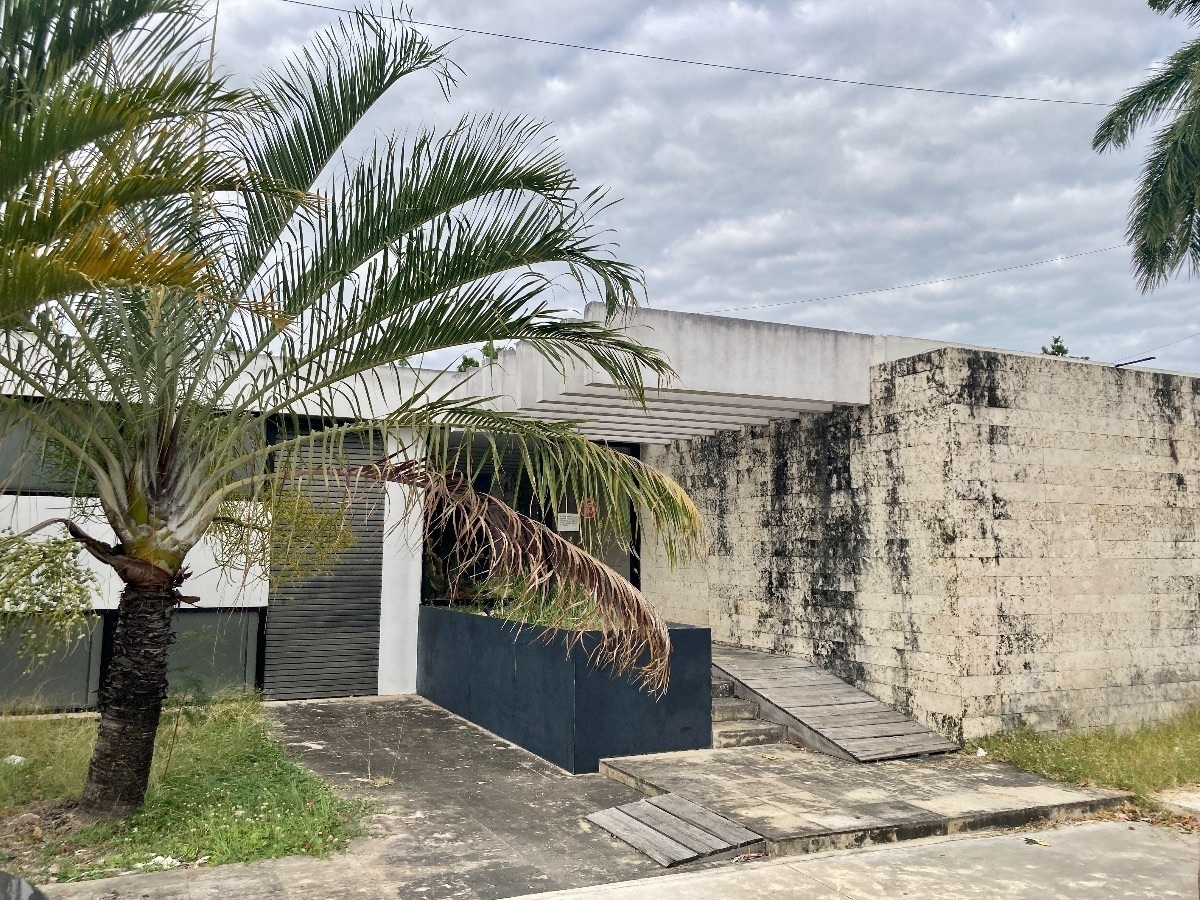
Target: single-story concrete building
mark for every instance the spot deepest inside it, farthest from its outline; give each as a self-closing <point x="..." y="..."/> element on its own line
<point x="983" y="538"/>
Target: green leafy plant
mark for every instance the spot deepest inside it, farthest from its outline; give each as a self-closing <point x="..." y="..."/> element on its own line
<point x="105" y="123"/>
<point x="46" y="593"/>
<point x="1164" y="215"/>
<point x="1058" y="348"/>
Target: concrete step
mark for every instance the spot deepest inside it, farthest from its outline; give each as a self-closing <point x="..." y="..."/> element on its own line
<point x="722" y="687"/>
<point x="733" y="709"/>
<point x="746" y="734"/>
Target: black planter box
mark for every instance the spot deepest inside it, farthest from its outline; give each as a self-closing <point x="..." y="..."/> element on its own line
<point x="525" y="688"/>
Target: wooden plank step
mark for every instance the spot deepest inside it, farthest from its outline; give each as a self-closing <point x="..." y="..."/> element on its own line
<point x="841" y="733"/>
<point x="801" y="702"/>
<point x="796" y="687"/>
<point x="807" y="673"/>
<point x="813" y="697"/>
<point x="895" y="747"/>
<point x="675" y="828"/>
<point x="803" y="676"/>
<point x="775" y="666"/>
<point x="660" y="848"/>
<point x="810" y="697"/>
<point x="754" y="656"/>
<point x="672" y="830"/>
<point x="822" y="711"/>
<point x="799" y="691"/>
<point x="717" y="825"/>
<point x="836" y="718"/>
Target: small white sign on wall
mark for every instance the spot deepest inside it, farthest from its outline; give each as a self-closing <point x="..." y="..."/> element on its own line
<point x="568" y="522"/>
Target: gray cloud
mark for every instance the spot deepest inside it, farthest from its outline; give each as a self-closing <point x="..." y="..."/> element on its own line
<point x="741" y="189"/>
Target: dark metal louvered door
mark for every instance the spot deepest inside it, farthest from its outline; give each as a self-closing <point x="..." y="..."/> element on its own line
<point x="322" y="634"/>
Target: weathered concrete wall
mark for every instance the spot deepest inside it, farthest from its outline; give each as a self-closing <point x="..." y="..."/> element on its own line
<point x="996" y="540"/>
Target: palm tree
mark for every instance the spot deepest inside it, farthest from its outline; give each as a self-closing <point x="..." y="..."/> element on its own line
<point x="188" y="413"/>
<point x="102" y="119"/>
<point x="1164" y="216"/>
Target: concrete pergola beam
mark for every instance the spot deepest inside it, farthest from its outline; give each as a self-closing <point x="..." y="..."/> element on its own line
<point x="730" y="373"/>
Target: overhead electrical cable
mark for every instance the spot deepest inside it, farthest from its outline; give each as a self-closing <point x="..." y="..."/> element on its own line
<point x="916" y="284"/>
<point x="711" y="65"/>
<point x="1168" y="344"/>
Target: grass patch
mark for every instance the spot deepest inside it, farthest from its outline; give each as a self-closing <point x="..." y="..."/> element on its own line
<point x="223" y="790"/>
<point x="56" y="754"/>
<point x="1149" y="759"/>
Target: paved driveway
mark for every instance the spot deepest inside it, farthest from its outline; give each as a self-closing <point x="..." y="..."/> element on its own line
<point x="465" y="815"/>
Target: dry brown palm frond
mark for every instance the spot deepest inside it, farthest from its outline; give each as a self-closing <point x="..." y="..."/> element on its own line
<point x="494" y="542"/>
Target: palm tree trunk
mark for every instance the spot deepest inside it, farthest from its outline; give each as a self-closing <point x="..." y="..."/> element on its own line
<point x="132" y="690"/>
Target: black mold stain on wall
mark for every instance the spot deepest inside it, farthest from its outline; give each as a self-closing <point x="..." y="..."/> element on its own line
<point x="1167" y="396"/>
<point x="983" y="384"/>
<point x="815" y="540"/>
<point x="710" y="479"/>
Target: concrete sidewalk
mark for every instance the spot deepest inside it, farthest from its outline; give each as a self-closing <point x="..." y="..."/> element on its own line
<point x="1094" y="861"/>
<point x="801" y="801"/>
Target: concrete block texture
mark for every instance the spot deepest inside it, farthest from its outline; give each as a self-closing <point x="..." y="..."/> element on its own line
<point x="995" y="541"/>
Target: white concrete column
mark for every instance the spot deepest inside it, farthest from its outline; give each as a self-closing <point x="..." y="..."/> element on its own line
<point x="400" y="596"/>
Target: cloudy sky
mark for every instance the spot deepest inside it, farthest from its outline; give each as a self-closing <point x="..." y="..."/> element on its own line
<point x="762" y="194"/>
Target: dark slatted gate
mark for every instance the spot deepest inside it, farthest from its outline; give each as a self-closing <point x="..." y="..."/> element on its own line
<point x="322" y="634"/>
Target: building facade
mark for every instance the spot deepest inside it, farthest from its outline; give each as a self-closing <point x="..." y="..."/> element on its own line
<point x="985" y="539"/>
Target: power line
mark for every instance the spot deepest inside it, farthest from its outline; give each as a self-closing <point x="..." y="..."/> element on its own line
<point x="901" y="287"/>
<point x="1161" y="346"/>
<point x="712" y="65"/>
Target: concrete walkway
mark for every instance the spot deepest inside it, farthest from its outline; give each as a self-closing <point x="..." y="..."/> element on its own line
<point x="462" y="815"/>
<point x="801" y="801"/>
<point x="1094" y="861"/>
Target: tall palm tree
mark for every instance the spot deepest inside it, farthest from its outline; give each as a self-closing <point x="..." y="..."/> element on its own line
<point x="105" y="112"/>
<point x="189" y="413"/>
<point x="1164" y="216"/>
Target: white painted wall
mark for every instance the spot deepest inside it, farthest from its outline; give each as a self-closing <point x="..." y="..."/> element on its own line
<point x="400" y="598"/>
<point x="216" y="588"/>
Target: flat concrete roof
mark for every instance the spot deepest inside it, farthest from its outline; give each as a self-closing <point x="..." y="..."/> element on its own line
<point x="730" y="373"/>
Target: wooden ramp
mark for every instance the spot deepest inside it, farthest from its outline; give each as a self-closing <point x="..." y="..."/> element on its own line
<point x="823" y="712"/>
<point x="671" y="830"/>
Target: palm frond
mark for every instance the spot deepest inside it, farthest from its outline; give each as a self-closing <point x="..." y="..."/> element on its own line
<point x="1169" y="90"/>
<point x="492" y="541"/>
<point x="318" y="97"/>
<point x="1164" y="218"/>
<point x="1163" y="225"/>
<point x="44" y="41"/>
<point x="1189" y="9"/>
<point x="561" y="466"/>
<point x="101" y="119"/>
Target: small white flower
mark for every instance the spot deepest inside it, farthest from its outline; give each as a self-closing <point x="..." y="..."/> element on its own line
<point x="14" y="760"/>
